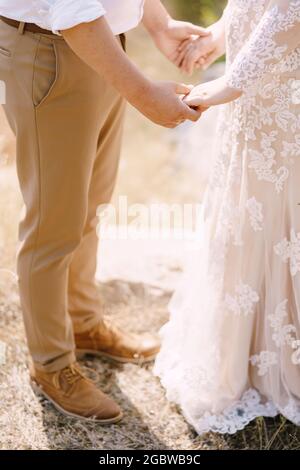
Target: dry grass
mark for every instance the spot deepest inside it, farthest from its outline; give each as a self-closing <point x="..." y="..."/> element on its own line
<point x="27" y="422"/>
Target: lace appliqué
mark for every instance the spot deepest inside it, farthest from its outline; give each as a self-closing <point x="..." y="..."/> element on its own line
<point x="238" y="24"/>
<point x="289" y="250"/>
<point x="236" y="417"/>
<point x="291" y="149"/>
<point x="250" y="66"/>
<point x="264" y="360"/>
<point x="244" y="300"/>
<point x="285" y="334"/>
<point x="292" y="412"/>
<point x="255" y="213"/>
<point x="296" y="89"/>
<point x="263" y="162"/>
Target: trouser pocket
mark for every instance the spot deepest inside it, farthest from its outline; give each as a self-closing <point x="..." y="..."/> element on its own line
<point x="45" y="72"/>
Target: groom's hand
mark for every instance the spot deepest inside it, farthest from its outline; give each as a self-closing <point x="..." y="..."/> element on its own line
<point x="168" y="34"/>
<point x="163" y="104"/>
<point x="174" y="35"/>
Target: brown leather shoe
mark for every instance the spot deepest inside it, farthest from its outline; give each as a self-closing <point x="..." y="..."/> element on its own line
<point x="75" y="395"/>
<point x="105" y="339"/>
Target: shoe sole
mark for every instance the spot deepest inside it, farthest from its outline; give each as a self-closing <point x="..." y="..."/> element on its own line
<point x="40" y="391"/>
<point x="121" y="360"/>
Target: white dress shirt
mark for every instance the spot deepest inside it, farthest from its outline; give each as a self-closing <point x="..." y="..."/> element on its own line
<point x="55" y="15"/>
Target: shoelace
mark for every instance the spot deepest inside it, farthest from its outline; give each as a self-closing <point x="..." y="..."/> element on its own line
<point x="72" y="374"/>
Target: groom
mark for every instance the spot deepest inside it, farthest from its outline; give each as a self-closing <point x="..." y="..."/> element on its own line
<point x="67" y="79"/>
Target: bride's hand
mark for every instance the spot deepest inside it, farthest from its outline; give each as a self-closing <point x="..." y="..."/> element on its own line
<point x="211" y="94"/>
<point x="200" y="52"/>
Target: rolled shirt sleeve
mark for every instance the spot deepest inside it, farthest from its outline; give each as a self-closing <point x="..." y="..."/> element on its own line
<point x="64" y="14"/>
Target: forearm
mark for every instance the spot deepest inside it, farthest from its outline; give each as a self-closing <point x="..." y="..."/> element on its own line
<point x="155" y="17"/>
<point x="96" y="45"/>
<point x="160" y="102"/>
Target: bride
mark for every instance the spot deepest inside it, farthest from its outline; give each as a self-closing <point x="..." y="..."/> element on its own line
<point x="231" y="350"/>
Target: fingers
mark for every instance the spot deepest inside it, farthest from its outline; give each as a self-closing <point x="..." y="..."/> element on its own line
<point x="190" y="60"/>
<point x="198" y="30"/>
<point x="182" y="89"/>
<point x="199" y="53"/>
<point x="173" y="57"/>
<point x="185" y="43"/>
<point x="195" y="101"/>
<point x="191" y="47"/>
<point x="209" y="59"/>
<point x="200" y="64"/>
<point x="192" y="114"/>
<point x="180" y="57"/>
<point x="202" y="61"/>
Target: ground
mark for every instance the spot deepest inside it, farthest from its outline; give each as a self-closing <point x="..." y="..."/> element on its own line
<point x="150" y="422"/>
<point x="136" y="280"/>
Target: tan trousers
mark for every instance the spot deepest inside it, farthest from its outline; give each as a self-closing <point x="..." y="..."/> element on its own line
<point x="68" y="124"/>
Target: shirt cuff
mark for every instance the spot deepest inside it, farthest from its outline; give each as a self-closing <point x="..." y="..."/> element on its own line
<point x="78" y="11"/>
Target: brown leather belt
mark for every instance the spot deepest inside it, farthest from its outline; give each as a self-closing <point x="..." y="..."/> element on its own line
<point x="33" y="28"/>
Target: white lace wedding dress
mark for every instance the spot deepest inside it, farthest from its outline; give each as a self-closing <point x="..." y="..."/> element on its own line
<point x="231" y="350"/>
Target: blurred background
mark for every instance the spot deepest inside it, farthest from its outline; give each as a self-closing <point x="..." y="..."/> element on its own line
<point x="203" y="12"/>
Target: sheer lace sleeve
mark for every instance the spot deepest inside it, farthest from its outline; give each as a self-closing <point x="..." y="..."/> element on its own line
<point x="276" y="35"/>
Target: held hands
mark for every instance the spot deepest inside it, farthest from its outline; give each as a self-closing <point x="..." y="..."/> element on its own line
<point x="200" y="52"/>
<point x="212" y="94"/>
<point x="189" y="47"/>
<point x="169" y="104"/>
<point x="176" y="35"/>
<point x="163" y="104"/>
